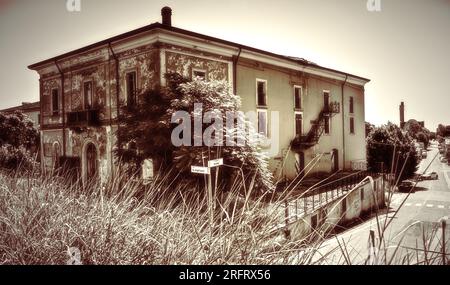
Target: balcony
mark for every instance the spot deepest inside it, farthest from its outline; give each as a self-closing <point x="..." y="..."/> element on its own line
<point x="332" y="108"/>
<point x="83" y="118"/>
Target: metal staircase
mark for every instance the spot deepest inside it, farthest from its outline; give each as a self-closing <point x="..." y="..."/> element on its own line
<point x="303" y="142"/>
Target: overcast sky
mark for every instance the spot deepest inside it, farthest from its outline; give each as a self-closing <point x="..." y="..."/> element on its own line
<point x="404" y="48"/>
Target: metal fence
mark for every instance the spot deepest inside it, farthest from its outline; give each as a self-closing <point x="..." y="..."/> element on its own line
<point x="321" y="195"/>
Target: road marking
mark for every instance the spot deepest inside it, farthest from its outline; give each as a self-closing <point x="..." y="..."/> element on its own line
<point x="441" y="207"/>
<point x="430" y="205"/>
<point x="418" y="205"/>
<point x="408" y="204"/>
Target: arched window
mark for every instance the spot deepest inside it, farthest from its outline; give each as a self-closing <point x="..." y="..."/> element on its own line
<point x="56" y="153"/>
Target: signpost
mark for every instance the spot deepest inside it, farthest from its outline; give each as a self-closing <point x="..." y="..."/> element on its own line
<point x="215" y="162"/>
<point x="207" y="171"/>
<point x="200" y="170"/>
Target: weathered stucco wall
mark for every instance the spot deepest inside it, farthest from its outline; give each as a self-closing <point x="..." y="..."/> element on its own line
<point x="184" y="61"/>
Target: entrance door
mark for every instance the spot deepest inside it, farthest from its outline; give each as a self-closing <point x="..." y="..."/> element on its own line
<point x="91" y="162"/>
<point x="335" y="160"/>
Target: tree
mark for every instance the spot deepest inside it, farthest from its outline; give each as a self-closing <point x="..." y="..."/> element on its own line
<point x="17" y="130"/>
<point x="421" y="137"/>
<point x="391" y="150"/>
<point x="369" y="128"/>
<point x="146" y="132"/>
<point x="432" y="136"/>
<point x="19" y="140"/>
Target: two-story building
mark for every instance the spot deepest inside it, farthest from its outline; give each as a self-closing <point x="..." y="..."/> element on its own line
<point x="321" y="110"/>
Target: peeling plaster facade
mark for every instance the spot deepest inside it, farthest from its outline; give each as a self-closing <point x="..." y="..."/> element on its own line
<point x="152" y="51"/>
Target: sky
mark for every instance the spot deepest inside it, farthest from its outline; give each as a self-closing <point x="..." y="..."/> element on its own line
<point x="403" y="47"/>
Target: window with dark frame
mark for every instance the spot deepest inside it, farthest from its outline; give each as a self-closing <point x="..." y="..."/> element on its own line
<point x="298" y="124"/>
<point x="87" y="91"/>
<point x="55" y="102"/>
<point x="131" y="88"/>
<point x="262" y="122"/>
<point x="352" y="125"/>
<point x="351" y="105"/>
<point x="326" y="100"/>
<point x="261" y="93"/>
<point x="298" y="98"/>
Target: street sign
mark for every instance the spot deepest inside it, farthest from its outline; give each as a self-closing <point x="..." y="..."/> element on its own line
<point x="200" y="170"/>
<point x="215" y="162"/>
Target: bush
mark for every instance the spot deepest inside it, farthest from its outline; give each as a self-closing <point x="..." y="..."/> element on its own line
<point x="13" y="158"/>
<point x="388" y="144"/>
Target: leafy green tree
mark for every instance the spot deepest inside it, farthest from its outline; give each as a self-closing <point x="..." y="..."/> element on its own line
<point x="19" y="141"/>
<point x="17" y="130"/>
<point x="369" y="128"/>
<point x="389" y="149"/>
<point x="421" y="137"/>
<point x="146" y="129"/>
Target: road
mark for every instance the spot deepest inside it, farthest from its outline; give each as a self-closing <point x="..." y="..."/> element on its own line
<point x="418" y="219"/>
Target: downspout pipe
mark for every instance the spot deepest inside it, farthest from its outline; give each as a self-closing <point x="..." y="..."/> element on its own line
<point x="343" y="120"/>
<point x="235" y="62"/>
<point x="63" y="102"/>
<point x="116" y="60"/>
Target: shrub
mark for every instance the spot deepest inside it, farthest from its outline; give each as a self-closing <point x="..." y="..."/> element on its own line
<point x="13" y="158"/>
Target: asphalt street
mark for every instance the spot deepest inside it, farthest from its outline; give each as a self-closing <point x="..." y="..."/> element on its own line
<point x="416" y="225"/>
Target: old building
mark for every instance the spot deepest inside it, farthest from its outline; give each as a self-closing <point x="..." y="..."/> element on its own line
<point x="321" y="110"/>
<point x="32" y="110"/>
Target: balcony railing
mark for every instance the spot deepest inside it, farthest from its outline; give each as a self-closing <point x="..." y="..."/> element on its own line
<point x="83" y="118"/>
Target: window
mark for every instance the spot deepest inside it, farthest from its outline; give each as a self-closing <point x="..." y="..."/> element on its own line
<point x="131" y="88"/>
<point x="298" y="124"/>
<point x="261" y="92"/>
<point x="87" y="91"/>
<point x="262" y="122"/>
<point x="352" y="125"/>
<point x="351" y="105"/>
<point x="326" y="99"/>
<point x="199" y="73"/>
<point x="39" y="119"/>
<point x="55" y="102"/>
<point x="327" y="125"/>
<point x="298" y="98"/>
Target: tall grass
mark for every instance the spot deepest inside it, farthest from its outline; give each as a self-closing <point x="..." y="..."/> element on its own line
<point x="123" y="222"/>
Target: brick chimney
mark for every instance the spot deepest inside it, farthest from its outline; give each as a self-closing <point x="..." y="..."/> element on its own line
<point x="166" y="14"/>
<point x="402" y="115"/>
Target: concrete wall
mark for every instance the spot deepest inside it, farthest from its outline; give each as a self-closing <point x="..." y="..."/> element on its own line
<point x="342" y="211"/>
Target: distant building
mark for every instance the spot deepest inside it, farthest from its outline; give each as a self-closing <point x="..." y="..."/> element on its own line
<point x="32" y="110"/>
